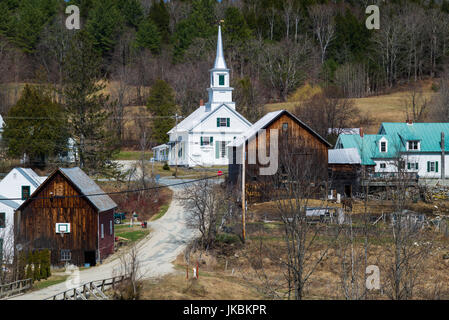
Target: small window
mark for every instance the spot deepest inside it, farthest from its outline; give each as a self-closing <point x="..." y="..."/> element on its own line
<point x="412" y="165"/>
<point x="59" y="189"/>
<point x="221" y="79"/>
<point x="383" y="165"/>
<point x="432" y="166"/>
<point x="2" y="220"/>
<point x="66" y="255"/>
<point x="110" y="227"/>
<point x="223" y="122"/>
<point x="206" y="141"/>
<point x="25" y="192"/>
<point x="285" y="127"/>
<point x="413" y="145"/>
<point x="102" y="231"/>
<point x="383" y="146"/>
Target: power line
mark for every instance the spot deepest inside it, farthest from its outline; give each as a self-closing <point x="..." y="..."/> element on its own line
<point x="123" y="118"/>
<point x="117" y="192"/>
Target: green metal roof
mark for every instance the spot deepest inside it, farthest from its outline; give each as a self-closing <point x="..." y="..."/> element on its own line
<point x="397" y="134"/>
<point x="428" y="133"/>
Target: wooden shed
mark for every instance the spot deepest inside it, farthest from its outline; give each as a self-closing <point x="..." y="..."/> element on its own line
<point x="71" y="216"/>
<point x="299" y="149"/>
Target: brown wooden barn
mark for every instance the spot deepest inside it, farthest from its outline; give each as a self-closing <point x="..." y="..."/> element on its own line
<point x="344" y="172"/>
<point x="68" y="200"/>
<point x="300" y="150"/>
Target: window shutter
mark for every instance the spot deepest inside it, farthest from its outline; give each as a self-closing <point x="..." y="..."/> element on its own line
<point x="201" y="140"/>
<point x="228" y="122"/>
<point x="416" y="165"/>
<point x="217" y="149"/>
<point x="218" y="122"/>
<point x="408" y="165"/>
<point x="428" y="166"/>
<point x="211" y="140"/>
<point x="436" y="166"/>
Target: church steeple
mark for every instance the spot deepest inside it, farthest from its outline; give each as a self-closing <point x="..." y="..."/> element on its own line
<point x="220" y="62"/>
<point x="219" y="92"/>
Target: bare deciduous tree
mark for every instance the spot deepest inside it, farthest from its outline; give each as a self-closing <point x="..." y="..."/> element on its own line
<point x="323" y="24"/>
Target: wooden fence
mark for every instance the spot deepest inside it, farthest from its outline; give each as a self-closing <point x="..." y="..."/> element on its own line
<point x="94" y="289"/>
<point x="15" y="287"/>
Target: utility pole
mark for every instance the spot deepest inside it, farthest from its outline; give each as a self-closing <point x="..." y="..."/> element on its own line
<point x="443" y="164"/>
<point x="243" y="194"/>
<point x="176" y="145"/>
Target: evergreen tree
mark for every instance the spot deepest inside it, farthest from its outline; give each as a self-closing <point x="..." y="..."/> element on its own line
<point x="35" y="126"/>
<point x="161" y="17"/>
<point x="161" y="103"/>
<point x="36" y="266"/>
<point x="132" y="11"/>
<point x="29" y="269"/>
<point x="200" y="23"/>
<point x="148" y="36"/>
<point x="86" y="107"/>
<point x="104" y="24"/>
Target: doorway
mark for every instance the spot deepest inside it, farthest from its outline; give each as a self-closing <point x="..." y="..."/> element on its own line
<point x="89" y="257"/>
<point x="348" y="190"/>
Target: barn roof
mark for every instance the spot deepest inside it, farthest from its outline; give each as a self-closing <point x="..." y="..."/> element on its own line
<point x="86" y="186"/>
<point x="344" y="156"/>
<point x="265" y="121"/>
<point x="89" y="188"/>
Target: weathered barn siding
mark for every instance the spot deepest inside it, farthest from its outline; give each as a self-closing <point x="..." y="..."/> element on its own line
<point x="297" y="146"/>
<point x="106" y="243"/>
<point x="59" y="200"/>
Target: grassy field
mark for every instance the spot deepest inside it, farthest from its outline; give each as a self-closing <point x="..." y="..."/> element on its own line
<point x="381" y="108"/>
<point x="52" y="280"/>
<point x="132" y="234"/>
<point x="133" y="155"/>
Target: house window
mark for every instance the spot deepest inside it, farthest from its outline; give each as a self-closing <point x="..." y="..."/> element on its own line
<point x="66" y="255"/>
<point x="383" y="146"/>
<point x="110" y="227"/>
<point x="223" y="122"/>
<point x="432" y="166"/>
<point x="413" y="145"/>
<point x="412" y="165"/>
<point x="206" y="141"/>
<point x="102" y="231"/>
<point x="383" y="165"/>
<point x="2" y="220"/>
<point x="25" y="192"/>
<point x="221" y="80"/>
<point x="285" y="127"/>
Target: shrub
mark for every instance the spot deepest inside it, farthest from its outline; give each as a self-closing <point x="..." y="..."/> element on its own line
<point x="227" y="238"/>
<point x="29" y="270"/>
<point x="36" y="266"/>
<point x="166" y="167"/>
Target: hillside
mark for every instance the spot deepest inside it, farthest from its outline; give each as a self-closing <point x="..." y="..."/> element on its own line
<point x="381" y="108"/>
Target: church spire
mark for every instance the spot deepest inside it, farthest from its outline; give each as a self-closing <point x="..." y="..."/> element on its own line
<point x="219" y="60"/>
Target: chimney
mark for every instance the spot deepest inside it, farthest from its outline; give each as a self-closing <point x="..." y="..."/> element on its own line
<point x="361" y="132"/>
<point x="201" y="102"/>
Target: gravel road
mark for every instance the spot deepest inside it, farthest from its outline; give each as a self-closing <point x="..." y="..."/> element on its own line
<point x="168" y="237"/>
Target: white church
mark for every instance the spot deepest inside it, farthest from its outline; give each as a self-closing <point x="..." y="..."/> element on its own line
<point x="201" y="138"/>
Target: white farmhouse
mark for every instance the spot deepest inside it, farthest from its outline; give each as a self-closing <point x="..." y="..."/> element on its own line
<point x="421" y="149"/>
<point x="15" y="187"/>
<point x="201" y="138"/>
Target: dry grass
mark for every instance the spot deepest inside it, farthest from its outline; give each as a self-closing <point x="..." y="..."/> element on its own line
<point x="382" y="108"/>
<point x="209" y="286"/>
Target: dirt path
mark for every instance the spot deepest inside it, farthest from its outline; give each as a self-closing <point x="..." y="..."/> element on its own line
<point x="168" y="237"/>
